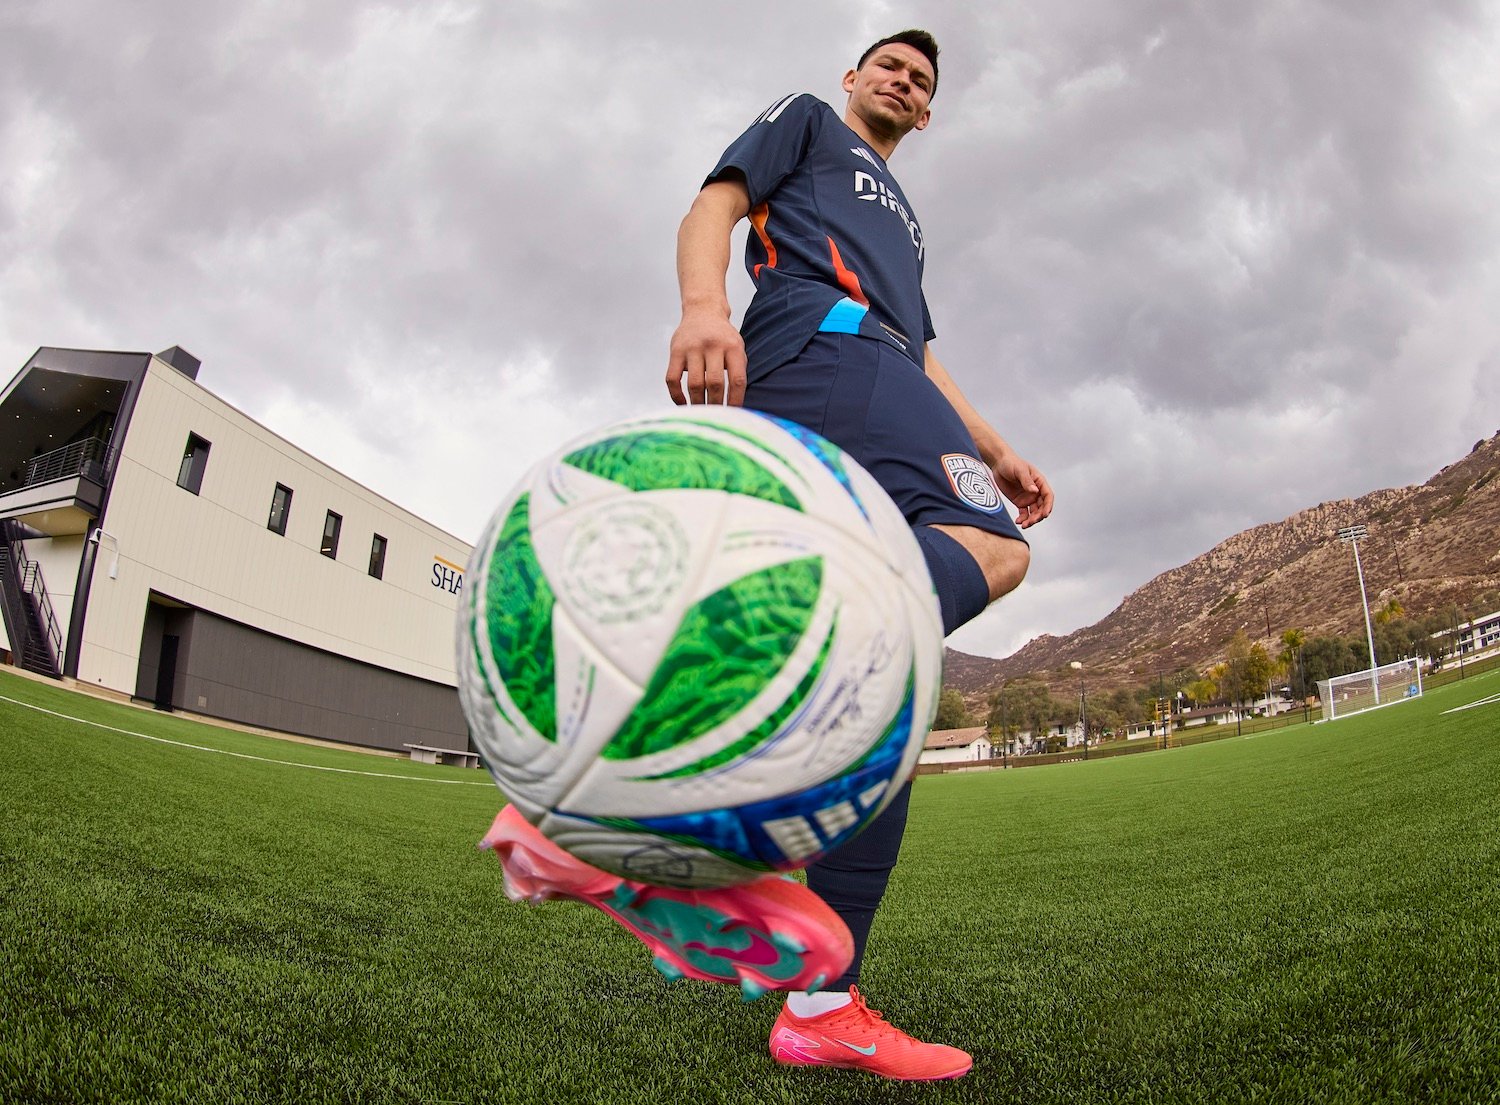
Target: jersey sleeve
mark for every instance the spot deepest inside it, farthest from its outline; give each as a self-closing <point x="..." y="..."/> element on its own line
<point x="928" y="333"/>
<point x="773" y="146"/>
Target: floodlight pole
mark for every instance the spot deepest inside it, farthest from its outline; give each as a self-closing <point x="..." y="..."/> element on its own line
<point x="1352" y="535"/>
<point x="1083" y="709"/>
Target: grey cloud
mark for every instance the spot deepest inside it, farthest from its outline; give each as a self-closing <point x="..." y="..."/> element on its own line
<point x="1189" y="257"/>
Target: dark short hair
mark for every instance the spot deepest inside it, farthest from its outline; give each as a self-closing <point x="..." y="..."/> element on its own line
<point x="918" y="40"/>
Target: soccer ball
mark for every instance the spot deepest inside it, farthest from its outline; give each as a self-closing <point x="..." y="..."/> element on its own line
<point x="696" y="648"/>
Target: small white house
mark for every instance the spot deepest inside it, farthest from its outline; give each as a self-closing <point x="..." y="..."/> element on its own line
<point x="951" y="746"/>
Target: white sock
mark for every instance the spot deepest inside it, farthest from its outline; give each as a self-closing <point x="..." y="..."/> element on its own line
<point x="803" y="1004"/>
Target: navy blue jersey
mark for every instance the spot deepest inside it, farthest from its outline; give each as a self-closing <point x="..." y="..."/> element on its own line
<point x="833" y="246"/>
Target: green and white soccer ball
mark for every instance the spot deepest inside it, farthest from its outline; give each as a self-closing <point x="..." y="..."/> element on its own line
<point x="699" y="647"/>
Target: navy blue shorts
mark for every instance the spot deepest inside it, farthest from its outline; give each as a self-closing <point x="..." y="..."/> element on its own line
<point x="876" y="404"/>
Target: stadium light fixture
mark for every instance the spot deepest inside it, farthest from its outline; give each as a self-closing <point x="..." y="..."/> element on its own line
<point x="1352" y="536"/>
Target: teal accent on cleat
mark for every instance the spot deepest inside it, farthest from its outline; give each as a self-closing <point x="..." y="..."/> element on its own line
<point x="772" y="929"/>
<point x="624" y="896"/>
<point x="817" y="984"/>
<point x="789" y="944"/>
<point x="750" y="989"/>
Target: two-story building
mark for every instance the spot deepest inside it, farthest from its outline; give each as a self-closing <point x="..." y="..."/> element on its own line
<point x="158" y="543"/>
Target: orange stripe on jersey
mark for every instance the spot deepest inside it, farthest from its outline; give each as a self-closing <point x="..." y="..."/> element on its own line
<point x="849" y="281"/>
<point x="758" y="218"/>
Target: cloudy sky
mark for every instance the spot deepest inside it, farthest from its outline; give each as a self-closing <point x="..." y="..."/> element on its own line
<point x="1203" y="263"/>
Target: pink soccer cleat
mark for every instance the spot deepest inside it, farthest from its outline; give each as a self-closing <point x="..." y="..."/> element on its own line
<point x="769" y="934"/>
<point x="859" y="1038"/>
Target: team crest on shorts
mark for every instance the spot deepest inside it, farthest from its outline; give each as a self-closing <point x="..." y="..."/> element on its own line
<point x="972" y="482"/>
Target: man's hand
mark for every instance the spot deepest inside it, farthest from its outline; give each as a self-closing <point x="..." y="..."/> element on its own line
<point x="1023" y="485"/>
<point x="706" y="361"/>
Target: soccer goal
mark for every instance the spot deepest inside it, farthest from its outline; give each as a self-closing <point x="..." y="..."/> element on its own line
<point x="1364" y="690"/>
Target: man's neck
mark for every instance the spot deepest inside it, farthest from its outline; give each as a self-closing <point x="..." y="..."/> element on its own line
<point x="883" y="145"/>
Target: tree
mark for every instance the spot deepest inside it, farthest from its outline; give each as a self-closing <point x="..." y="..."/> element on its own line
<point x="1325" y="657"/>
<point x="1104" y="718"/>
<point x="1126" y="706"/>
<point x="1232" y="681"/>
<point x="1390" y="612"/>
<point x="1292" y="642"/>
<point x="1396" y="638"/>
<point x="952" y="711"/>
<point x="1022" y="704"/>
<point x="1260" y="669"/>
<point x="1248" y="669"/>
<point x="1201" y="691"/>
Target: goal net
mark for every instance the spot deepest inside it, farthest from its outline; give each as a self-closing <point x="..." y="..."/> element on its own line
<point x="1364" y="690"/>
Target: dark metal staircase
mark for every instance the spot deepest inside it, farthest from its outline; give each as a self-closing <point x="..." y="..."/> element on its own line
<point x="29" y="620"/>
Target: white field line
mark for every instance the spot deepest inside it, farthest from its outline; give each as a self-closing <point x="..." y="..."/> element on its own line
<point x="246" y="755"/>
<point x="1490" y="701"/>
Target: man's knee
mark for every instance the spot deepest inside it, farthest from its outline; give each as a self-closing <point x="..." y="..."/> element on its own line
<point x="1003" y="560"/>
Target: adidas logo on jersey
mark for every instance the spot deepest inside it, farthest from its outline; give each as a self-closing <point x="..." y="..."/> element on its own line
<point x="860" y="151"/>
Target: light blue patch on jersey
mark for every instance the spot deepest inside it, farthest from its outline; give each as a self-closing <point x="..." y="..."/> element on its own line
<point x="844" y="317"/>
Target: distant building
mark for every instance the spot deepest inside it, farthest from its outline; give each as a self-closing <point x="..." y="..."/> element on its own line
<point x="1473" y="636"/>
<point x="1220" y="714"/>
<point x="159" y="543"/>
<point x="949" y="746"/>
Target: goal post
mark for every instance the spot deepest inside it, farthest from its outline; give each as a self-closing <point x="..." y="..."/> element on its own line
<point x="1365" y="690"/>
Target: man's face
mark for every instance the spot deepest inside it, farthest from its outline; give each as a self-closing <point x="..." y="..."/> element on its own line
<point x="891" y="91"/>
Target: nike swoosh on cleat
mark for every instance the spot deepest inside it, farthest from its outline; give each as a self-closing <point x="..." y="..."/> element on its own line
<point x="855" y="1047"/>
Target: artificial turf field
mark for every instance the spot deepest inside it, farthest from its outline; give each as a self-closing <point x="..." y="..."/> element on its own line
<point x="1311" y="914"/>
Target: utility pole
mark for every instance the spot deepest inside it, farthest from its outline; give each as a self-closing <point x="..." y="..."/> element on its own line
<point x="1157" y="711"/>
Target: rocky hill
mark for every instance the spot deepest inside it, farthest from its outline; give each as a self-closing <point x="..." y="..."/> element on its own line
<point x="1429" y="546"/>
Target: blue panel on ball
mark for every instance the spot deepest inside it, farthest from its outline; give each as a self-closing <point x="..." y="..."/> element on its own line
<point x="879" y="766"/>
<point x="786" y="832"/>
<point x="829" y="455"/>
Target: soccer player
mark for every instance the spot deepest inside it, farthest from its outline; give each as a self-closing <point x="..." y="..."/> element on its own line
<point x="836" y="338"/>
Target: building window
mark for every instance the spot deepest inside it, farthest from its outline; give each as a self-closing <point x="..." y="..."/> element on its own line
<point x="194" y="461"/>
<point x="377" y="557"/>
<point x="281" y="506"/>
<point x="331" y="526"/>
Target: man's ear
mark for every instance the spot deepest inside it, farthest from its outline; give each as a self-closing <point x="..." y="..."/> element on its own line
<point x="849" y="80"/>
<point x="922" y="122"/>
